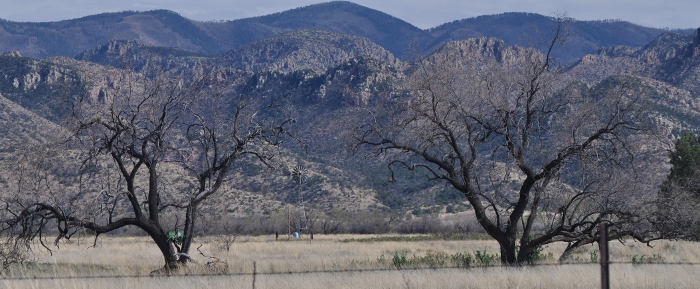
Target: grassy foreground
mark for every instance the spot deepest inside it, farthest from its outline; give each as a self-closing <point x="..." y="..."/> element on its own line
<point x="376" y="258"/>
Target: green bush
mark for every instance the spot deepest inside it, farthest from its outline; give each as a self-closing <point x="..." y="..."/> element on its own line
<point x="462" y="260"/>
<point x="486" y="259"/>
<point x="643" y="259"/>
<point x="594" y="257"/>
<point x="536" y="256"/>
<point x="399" y="261"/>
<point x="431" y="259"/>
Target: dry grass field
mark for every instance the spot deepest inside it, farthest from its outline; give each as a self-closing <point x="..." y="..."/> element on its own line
<point x="295" y="264"/>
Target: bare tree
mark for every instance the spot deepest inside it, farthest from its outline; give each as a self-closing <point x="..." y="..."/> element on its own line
<point x="12" y="251"/>
<point x="330" y="226"/>
<point x="35" y="175"/>
<point x="230" y="233"/>
<point x="152" y="150"/>
<point x="540" y="158"/>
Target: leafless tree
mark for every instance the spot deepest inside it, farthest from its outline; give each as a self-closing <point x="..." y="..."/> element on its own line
<point x="230" y="233"/>
<point x="540" y="158"/>
<point x="677" y="213"/>
<point x="149" y="148"/>
<point x="330" y="226"/>
<point x="12" y="251"/>
<point x="34" y="175"/>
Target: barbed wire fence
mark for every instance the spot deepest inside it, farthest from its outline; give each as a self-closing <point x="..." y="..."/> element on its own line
<point x="604" y="263"/>
<point x="255" y="272"/>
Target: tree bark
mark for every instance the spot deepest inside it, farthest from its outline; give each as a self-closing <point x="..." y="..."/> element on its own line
<point x="507" y="244"/>
<point x="188" y="232"/>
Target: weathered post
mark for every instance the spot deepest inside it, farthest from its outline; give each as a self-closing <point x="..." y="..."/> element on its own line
<point x="255" y="272"/>
<point x="604" y="256"/>
<point x="289" y="223"/>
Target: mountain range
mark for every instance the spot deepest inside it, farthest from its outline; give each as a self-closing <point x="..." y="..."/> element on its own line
<point x="329" y="60"/>
<point x="164" y="28"/>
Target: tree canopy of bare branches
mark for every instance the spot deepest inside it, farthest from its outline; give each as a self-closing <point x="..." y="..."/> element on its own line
<point x="149" y="148"/>
<point x="540" y="158"/>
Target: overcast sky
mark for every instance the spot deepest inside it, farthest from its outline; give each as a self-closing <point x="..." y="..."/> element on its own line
<point x="421" y="13"/>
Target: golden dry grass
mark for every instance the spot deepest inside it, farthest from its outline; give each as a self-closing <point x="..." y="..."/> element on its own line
<point x="137" y="256"/>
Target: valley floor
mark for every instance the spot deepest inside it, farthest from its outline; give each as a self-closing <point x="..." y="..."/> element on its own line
<point x="351" y="261"/>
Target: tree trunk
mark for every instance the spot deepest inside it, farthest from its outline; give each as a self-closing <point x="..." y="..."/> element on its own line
<point x="508" y="256"/>
<point x="524" y="253"/>
<point x="565" y="255"/>
<point x="188" y="233"/>
<point x="170" y="257"/>
<point x="571" y="247"/>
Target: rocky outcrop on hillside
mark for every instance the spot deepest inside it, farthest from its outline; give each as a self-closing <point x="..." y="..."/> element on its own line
<point x="135" y="56"/>
<point x="483" y="50"/>
<point x="359" y="81"/>
<point x="37" y="85"/>
<point x="45" y="86"/>
<point x="676" y="108"/>
<point x="617" y="60"/>
<point x="533" y="30"/>
<point x="315" y="50"/>
<point x="683" y="70"/>
<point x="671" y="58"/>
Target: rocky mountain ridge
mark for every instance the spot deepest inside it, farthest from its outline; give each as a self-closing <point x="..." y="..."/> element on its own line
<point x="672" y="58"/>
<point x="168" y="29"/>
<point x="532" y="30"/>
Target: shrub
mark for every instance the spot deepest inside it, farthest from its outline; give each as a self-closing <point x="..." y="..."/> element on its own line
<point x="643" y="259"/>
<point x="485" y="259"/>
<point x="431" y="259"/>
<point x="399" y="261"/>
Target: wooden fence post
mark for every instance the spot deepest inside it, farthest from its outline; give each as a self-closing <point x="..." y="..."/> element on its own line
<point x="289" y="222"/>
<point x="604" y="256"/>
<point x="255" y="272"/>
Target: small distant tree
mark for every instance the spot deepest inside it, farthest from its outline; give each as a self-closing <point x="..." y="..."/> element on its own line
<point x="230" y="233"/>
<point x="151" y="151"/>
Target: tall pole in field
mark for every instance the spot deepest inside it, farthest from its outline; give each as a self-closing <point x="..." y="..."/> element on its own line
<point x="300" y="175"/>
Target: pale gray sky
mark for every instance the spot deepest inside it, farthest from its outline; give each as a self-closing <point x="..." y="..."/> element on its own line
<point x="421" y="13"/>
